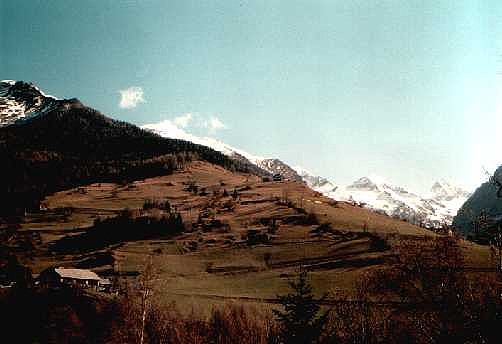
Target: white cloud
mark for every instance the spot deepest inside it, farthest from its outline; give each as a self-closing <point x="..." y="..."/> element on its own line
<point x="214" y="124"/>
<point x="131" y="97"/>
<point x="183" y="120"/>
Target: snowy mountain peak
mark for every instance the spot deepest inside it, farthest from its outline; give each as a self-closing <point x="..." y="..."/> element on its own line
<point x="21" y="100"/>
<point x="276" y="166"/>
<point x="379" y="180"/>
<point x="372" y="182"/>
<point x="445" y="191"/>
<point x="375" y="192"/>
<point x="364" y="183"/>
<point x="317" y="183"/>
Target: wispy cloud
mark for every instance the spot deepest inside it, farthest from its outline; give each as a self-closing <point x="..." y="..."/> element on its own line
<point x="131" y="97"/>
<point x="183" y="120"/>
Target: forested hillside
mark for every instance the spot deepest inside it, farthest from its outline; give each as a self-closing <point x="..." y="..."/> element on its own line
<point x="76" y="145"/>
<point x="484" y="202"/>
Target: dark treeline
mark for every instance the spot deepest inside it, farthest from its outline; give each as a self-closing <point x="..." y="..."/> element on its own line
<point x="120" y="229"/>
<point x="76" y="145"/>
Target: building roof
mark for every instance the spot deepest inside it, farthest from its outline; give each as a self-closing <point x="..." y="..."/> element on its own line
<point x="77" y="274"/>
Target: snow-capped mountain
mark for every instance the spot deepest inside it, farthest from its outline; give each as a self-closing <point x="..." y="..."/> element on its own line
<point x="21" y="101"/>
<point x="434" y="210"/>
<point x="317" y="183"/>
<point x="443" y="191"/>
<point x="276" y="166"/>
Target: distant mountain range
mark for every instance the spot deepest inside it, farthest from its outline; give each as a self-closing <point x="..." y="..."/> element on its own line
<point x="433" y="210"/>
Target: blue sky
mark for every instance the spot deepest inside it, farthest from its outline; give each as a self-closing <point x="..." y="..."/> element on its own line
<point x="410" y="90"/>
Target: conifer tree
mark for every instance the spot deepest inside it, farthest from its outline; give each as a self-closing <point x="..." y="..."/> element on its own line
<point x="301" y="321"/>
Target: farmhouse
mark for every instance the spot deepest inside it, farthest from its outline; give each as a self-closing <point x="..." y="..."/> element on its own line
<point x="80" y="278"/>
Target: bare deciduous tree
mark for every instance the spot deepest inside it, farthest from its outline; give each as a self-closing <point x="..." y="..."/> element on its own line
<point x="146" y="289"/>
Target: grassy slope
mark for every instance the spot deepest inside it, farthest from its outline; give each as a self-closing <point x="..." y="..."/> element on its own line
<point x="223" y="267"/>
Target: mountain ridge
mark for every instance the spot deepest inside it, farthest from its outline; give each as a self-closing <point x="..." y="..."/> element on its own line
<point x="434" y="210"/>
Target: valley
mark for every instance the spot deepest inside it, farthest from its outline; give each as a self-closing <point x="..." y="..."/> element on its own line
<point x="244" y="238"/>
<point x="250" y="172"/>
<point x="187" y="230"/>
